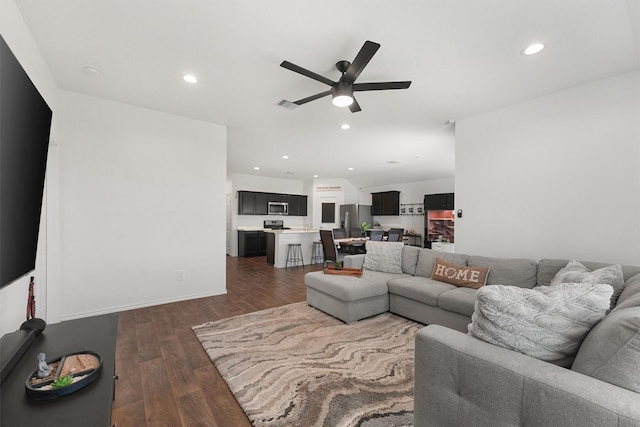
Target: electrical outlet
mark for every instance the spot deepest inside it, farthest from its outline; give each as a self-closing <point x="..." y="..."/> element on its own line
<point x="180" y="275"/>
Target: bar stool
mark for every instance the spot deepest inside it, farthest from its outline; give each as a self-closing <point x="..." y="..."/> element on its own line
<point x="294" y="255"/>
<point x="317" y="257"/>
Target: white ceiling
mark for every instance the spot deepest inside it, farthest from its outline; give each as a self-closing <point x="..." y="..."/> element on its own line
<point x="463" y="57"/>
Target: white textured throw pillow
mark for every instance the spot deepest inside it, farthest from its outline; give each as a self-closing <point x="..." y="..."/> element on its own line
<point x="546" y="322"/>
<point x="383" y="256"/>
<point x="576" y="272"/>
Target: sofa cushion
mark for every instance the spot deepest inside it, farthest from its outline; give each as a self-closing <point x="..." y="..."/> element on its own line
<point x="630" y="296"/>
<point x="519" y="272"/>
<point x="576" y="272"/>
<point x="410" y="259"/>
<point x="418" y="288"/>
<point x="385" y="257"/>
<point x="427" y="259"/>
<point x="459" y="300"/>
<point x="548" y="268"/>
<point x="345" y="288"/>
<point x="611" y="351"/>
<point x="546" y="322"/>
<point x="459" y="275"/>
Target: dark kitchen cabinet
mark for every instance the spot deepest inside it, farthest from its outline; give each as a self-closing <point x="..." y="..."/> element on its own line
<point x="246" y="203"/>
<point x="262" y="204"/>
<point x="257" y="203"/>
<point x="302" y="205"/>
<point x="292" y="201"/>
<point x="252" y="243"/>
<point x="385" y="203"/>
<point x="436" y="202"/>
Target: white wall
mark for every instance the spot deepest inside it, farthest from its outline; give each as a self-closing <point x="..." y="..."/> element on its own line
<point x="141" y="199"/>
<point x="13" y="298"/>
<point x="555" y="176"/>
<point x="411" y="192"/>
<point x="337" y="191"/>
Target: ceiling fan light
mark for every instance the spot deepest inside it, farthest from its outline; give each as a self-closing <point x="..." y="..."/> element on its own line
<point x="342" y="100"/>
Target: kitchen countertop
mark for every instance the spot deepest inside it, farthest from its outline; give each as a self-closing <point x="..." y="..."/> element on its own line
<point x="276" y="231"/>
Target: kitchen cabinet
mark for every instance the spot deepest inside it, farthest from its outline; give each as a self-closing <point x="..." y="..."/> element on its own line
<point x="385" y="203"/>
<point x="257" y="203"/>
<point x="246" y="203"/>
<point x="262" y="204"/>
<point x="292" y="200"/>
<point x="434" y="202"/>
<point x="252" y="243"/>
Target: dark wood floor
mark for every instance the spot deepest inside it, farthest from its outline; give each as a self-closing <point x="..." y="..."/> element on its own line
<point x="166" y="378"/>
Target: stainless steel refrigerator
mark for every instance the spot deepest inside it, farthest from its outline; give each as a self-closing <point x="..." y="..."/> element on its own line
<point x="352" y="216"/>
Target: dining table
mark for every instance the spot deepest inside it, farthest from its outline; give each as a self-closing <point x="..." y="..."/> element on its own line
<point x="352" y="243"/>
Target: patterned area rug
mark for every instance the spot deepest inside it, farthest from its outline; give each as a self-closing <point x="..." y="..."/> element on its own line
<point x="296" y="366"/>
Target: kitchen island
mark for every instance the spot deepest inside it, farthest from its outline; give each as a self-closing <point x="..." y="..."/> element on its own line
<point x="278" y="243"/>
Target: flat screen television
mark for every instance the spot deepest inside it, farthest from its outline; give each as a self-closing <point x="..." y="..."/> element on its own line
<point x="25" y="123"/>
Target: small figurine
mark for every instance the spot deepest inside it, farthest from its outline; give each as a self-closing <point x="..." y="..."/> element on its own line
<point x="44" y="370"/>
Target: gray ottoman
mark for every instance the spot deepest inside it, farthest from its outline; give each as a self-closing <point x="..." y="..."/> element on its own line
<point x="349" y="298"/>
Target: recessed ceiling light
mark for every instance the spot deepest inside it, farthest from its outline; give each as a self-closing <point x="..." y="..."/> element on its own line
<point x="285" y="157"/>
<point x="92" y="70"/>
<point x="256" y="168"/>
<point x="345" y="126"/>
<point x="190" y="78"/>
<point x="350" y="169"/>
<point x="532" y="49"/>
<point x="450" y="122"/>
<point x="315" y="176"/>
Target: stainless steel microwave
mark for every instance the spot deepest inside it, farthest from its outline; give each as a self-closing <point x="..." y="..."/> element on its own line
<point x="278" y="208"/>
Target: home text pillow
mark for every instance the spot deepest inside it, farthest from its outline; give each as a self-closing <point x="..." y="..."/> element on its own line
<point x="576" y="272"/>
<point x="611" y="351"/>
<point x="383" y="256"/>
<point x="459" y="275"/>
<point x="546" y="322"/>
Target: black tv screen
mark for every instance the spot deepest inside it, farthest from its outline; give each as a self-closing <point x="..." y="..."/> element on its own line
<point x="25" y="123"/>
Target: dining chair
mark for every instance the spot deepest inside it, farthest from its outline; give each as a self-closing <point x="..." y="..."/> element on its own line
<point x="329" y="247"/>
<point x="339" y="233"/>
<point x="376" y="235"/>
<point x="355" y="232"/>
<point x="395" y="235"/>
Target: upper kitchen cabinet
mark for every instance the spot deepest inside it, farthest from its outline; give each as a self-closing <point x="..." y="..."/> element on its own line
<point x="257" y="203"/>
<point x="385" y="203"/>
<point x="262" y="203"/>
<point x="435" y="202"/>
<point x="246" y="203"/>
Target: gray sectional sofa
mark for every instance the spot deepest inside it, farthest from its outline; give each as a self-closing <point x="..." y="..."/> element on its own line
<point x="463" y="381"/>
<point x="350" y="299"/>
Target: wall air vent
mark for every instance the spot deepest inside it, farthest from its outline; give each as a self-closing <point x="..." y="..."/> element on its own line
<point x="287" y="104"/>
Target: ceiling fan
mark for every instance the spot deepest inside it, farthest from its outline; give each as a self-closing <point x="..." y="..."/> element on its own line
<point x="342" y="90"/>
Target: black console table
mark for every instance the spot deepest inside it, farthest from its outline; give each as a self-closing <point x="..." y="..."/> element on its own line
<point x="88" y="407"/>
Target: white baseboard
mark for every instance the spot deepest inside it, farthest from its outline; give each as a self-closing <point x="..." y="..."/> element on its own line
<point x="135" y="306"/>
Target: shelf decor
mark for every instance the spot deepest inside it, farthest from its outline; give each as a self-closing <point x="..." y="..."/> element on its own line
<point x="63" y="375"/>
<point x="411" y="209"/>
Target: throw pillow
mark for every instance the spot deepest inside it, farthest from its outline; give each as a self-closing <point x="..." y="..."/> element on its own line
<point x="383" y="256"/>
<point x="611" y="351"/>
<point x="546" y="322"/>
<point x="576" y="272"/>
<point x="459" y="275"/>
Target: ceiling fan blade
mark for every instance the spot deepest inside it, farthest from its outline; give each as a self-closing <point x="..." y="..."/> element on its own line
<point x="355" y="107"/>
<point x="295" y="68"/>
<point x="380" y="86"/>
<point x="361" y="60"/>
<point x="312" y="97"/>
